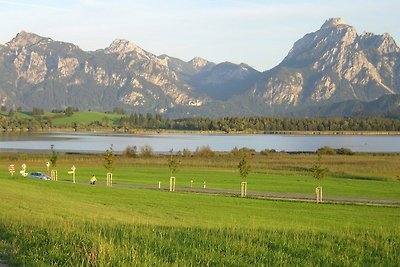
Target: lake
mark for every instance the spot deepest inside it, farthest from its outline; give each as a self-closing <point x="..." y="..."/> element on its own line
<point x="93" y="142"/>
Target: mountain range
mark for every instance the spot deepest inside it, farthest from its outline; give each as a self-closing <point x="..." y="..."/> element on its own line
<point x="330" y="72"/>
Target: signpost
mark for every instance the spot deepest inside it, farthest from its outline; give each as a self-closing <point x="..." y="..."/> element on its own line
<point x="73" y="168"/>
<point x="23" y="170"/>
<point x="48" y="167"/>
<point x="11" y="169"/>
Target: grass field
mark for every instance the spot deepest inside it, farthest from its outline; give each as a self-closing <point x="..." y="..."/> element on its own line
<point x="84" y="118"/>
<point x="65" y="224"/>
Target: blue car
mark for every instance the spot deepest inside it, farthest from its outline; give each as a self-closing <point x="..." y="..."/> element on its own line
<point x="39" y="175"/>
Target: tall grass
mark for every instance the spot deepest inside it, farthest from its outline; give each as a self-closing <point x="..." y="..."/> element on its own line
<point x="46" y="223"/>
<point x="102" y="244"/>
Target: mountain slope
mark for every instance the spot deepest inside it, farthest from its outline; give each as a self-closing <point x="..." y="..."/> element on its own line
<point x="333" y="64"/>
<point x="324" y="72"/>
<point x="385" y="106"/>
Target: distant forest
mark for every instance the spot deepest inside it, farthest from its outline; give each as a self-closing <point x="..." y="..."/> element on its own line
<point x="127" y="123"/>
<point x="266" y="124"/>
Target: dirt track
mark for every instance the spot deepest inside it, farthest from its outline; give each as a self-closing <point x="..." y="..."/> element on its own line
<point x="272" y="195"/>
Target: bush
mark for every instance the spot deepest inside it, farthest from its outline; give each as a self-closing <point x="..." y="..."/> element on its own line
<point x="186" y="153"/>
<point x="344" y="151"/>
<point x="267" y="151"/>
<point x="130" y="152"/>
<point x="204" y="152"/>
<point x="146" y="151"/>
<point x="244" y="151"/>
<point x="326" y="150"/>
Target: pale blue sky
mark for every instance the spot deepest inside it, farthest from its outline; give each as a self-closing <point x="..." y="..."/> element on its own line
<point x="257" y="32"/>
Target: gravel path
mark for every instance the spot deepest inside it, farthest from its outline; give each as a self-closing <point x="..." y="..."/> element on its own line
<point x="273" y="195"/>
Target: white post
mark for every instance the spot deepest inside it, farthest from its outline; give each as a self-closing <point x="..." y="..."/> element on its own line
<point x="172" y="182"/>
<point x="243" y="189"/>
<point x="109" y="179"/>
<point x="159" y="184"/>
<point x="318" y="192"/>
<point x="54" y="175"/>
<point x="191" y="183"/>
<point x="73" y="173"/>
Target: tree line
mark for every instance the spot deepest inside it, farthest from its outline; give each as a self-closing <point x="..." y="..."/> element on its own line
<point x="226" y="124"/>
<point x="266" y="124"/>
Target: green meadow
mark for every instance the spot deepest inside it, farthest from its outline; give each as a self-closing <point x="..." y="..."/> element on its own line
<point x="85" y="118"/>
<point x="48" y="223"/>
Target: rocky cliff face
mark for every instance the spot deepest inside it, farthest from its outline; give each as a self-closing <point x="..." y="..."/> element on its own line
<point x="40" y="72"/>
<point x="333" y="64"/>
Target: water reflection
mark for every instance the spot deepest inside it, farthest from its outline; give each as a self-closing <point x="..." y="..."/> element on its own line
<point x="93" y="142"/>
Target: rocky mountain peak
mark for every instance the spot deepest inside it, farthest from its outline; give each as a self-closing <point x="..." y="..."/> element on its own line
<point x="122" y="46"/>
<point x="25" y="39"/>
<point x="388" y="44"/>
<point x="199" y="63"/>
<point x="333" y="22"/>
<point x="383" y="43"/>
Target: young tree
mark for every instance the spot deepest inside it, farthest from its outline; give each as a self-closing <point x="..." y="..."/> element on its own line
<point x="109" y="159"/>
<point x="244" y="168"/>
<point x="53" y="157"/>
<point x="319" y="173"/>
<point x="173" y="164"/>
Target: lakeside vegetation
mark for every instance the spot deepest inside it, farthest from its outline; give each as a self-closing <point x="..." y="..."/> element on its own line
<point x="61" y="223"/>
<point x="118" y="121"/>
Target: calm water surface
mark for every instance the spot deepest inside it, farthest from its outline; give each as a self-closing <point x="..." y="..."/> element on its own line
<point x="92" y="142"/>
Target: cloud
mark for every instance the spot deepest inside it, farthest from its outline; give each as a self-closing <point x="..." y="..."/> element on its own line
<point x="94" y="3"/>
<point x="27" y="5"/>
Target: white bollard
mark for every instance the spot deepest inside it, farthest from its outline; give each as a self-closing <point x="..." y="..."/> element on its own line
<point x="172" y="182"/>
<point x="243" y="189"/>
<point x="109" y="179"/>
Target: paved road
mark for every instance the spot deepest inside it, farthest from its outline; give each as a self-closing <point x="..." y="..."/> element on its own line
<point x="272" y="195"/>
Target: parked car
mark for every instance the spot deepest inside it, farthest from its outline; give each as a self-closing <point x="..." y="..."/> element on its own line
<point x="39" y="175"/>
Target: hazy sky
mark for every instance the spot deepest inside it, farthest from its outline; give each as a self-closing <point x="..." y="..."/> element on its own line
<point x="257" y="32"/>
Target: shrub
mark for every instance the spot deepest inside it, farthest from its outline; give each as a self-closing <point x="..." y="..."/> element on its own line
<point x="326" y="150"/>
<point x="130" y="152"/>
<point x="344" y="151"/>
<point x="243" y="151"/>
<point x="146" y="151"/>
<point x="204" y="152"/>
<point x="186" y="153"/>
<point x="267" y="151"/>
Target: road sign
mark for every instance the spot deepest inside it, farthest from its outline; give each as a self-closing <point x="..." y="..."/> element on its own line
<point x="73" y="168"/>
<point x="11" y="169"/>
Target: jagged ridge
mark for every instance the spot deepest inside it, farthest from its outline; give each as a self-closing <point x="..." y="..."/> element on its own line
<point x="331" y="65"/>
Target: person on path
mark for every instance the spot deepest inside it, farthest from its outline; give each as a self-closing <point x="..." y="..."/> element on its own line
<point x="93" y="180"/>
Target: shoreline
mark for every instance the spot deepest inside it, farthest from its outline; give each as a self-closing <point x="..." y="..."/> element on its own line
<point x="195" y="132"/>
